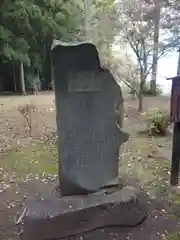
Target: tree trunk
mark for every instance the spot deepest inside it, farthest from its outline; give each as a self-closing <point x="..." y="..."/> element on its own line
<point x="47" y="66"/>
<point x="87" y="6"/>
<point x="140" y="102"/>
<point x="22" y="83"/>
<point x="36" y="86"/>
<point x="134" y="92"/>
<point x="14" y="77"/>
<point x="52" y="74"/>
<point x="143" y="71"/>
<point x="178" y="67"/>
<point x="156" y="46"/>
<point x="134" y="95"/>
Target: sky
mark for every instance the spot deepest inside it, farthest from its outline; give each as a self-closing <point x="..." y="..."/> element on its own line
<point x="167" y="67"/>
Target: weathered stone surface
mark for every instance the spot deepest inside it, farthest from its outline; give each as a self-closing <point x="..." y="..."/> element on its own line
<point x="87" y="98"/>
<point x="58" y="218"/>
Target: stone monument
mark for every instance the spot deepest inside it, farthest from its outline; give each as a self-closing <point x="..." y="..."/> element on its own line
<point x="87" y="103"/>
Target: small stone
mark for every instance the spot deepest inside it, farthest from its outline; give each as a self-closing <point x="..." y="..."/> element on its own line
<point x="150" y="155"/>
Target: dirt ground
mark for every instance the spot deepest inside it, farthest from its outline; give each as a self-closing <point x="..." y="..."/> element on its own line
<point x="28" y="168"/>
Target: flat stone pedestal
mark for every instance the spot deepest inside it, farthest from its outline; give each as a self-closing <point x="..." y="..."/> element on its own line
<point x="55" y="218"/>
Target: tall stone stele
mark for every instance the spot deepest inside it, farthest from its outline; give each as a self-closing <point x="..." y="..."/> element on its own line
<point x="88" y="106"/>
<point x="87" y="100"/>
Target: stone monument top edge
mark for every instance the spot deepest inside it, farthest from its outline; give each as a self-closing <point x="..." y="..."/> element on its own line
<point x="57" y="43"/>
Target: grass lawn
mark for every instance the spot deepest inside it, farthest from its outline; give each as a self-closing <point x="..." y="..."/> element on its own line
<point x="174" y="236"/>
<point x="35" y="159"/>
<point x="30" y="170"/>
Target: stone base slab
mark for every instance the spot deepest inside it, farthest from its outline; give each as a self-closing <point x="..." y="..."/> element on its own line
<point x="55" y="218"/>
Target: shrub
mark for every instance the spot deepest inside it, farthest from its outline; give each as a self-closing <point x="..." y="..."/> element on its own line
<point x="146" y="91"/>
<point x="27" y="111"/>
<point x="158" y="121"/>
<point x="33" y="83"/>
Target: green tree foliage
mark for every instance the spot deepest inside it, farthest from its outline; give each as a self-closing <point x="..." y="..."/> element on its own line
<point x="27" y="28"/>
<point x="138" y="27"/>
<point x="104" y="24"/>
<point x="26" y="24"/>
<point x="136" y="30"/>
<point x="170" y="23"/>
